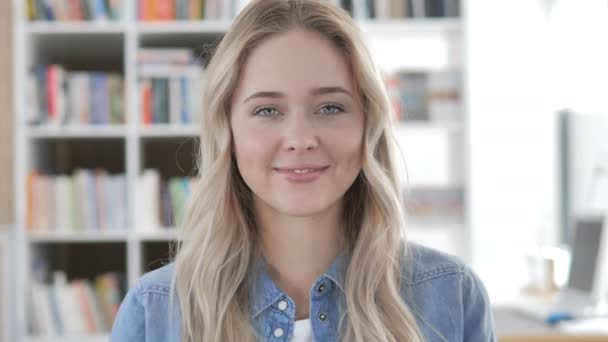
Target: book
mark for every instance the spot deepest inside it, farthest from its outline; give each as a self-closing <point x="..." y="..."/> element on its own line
<point x="63" y="97"/>
<point x="74" y="10"/>
<point x="74" y="308"/>
<point x="414" y="95"/>
<point x="167" y="78"/>
<point x="444" y="96"/>
<point x="145" y="90"/>
<point x="160" y="100"/>
<point x="148" y="186"/>
<point x="86" y="200"/>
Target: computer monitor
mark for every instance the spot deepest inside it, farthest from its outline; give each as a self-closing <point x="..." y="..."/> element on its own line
<point x="588" y="256"/>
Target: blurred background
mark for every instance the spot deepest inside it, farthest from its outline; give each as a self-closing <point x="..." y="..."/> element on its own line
<point x="501" y="112"/>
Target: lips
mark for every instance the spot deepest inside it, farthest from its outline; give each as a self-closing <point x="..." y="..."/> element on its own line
<point x="302" y="173"/>
<point x="302" y="168"/>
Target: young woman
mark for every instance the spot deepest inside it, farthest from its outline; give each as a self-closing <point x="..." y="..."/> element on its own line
<point x="295" y="231"/>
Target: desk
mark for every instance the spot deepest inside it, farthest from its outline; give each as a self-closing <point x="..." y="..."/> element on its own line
<point x="512" y="326"/>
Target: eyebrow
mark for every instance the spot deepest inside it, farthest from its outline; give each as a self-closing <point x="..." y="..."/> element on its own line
<point x="316" y="92"/>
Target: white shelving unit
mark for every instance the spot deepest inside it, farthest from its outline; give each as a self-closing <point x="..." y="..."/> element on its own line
<point x="430" y="44"/>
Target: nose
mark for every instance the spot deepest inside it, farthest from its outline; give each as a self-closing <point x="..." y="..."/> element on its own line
<point x="300" y="134"/>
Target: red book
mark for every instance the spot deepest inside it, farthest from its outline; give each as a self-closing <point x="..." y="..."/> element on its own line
<point x="86" y="307"/>
<point x="51" y="92"/>
<point x="32" y="178"/>
<point x="145" y="10"/>
<point x="165" y="9"/>
<point x="74" y="12"/>
<point x="146" y="102"/>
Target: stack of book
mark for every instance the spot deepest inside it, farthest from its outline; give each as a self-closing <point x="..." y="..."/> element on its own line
<point x="86" y="201"/>
<point x="158" y="10"/>
<point x="58" y="97"/>
<point x="392" y="9"/>
<point x="170" y="86"/>
<point x="162" y="202"/>
<point x="74" y="10"/>
<point x="432" y="96"/>
<point x="76" y="307"/>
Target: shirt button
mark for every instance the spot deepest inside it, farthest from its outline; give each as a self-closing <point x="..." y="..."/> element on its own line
<point x="322" y="316"/>
<point x="282" y="305"/>
<point x="321" y="288"/>
<point x="278" y="332"/>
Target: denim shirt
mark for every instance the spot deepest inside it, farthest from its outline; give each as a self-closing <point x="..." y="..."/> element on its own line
<point x="448" y="300"/>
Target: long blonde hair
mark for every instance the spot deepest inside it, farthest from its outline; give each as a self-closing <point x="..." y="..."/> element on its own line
<point x="218" y="235"/>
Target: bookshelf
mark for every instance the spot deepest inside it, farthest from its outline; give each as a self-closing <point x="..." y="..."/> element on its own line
<point x="128" y="148"/>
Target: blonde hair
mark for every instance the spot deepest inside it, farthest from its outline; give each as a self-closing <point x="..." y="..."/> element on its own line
<point x="218" y="237"/>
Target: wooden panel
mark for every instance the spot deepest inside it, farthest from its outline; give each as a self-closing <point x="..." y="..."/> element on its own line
<point x="6" y="114"/>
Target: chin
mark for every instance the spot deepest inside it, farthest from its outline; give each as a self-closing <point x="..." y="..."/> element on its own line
<point x="300" y="210"/>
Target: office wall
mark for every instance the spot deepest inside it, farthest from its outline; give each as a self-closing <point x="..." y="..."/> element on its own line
<point x="6" y="114"/>
<point x="512" y="143"/>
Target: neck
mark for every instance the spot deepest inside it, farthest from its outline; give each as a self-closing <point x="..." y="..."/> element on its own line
<point x="299" y="249"/>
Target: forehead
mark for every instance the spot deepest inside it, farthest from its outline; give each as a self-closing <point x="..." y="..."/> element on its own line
<point x="294" y="61"/>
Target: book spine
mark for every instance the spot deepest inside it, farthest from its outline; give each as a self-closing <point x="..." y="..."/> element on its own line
<point x="84" y="111"/>
<point x="185" y="101"/>
<point x="100" y="198"/>
<point x="194" y="9"/>
<point x="146" y="101"/>
<point x="32" y="106"/>
<point x="174" y="100"/>
<point x="95" y="91"/>
<point x="104" y="101"/>
<point x="165" y="9"/>
<point x="115" y="9"/>
<point x="48" y="10"/>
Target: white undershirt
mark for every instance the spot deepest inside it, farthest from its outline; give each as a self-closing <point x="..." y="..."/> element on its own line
<point x="302" y="331"/>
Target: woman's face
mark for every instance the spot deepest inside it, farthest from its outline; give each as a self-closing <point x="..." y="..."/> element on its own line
<point x="297" y="124"/>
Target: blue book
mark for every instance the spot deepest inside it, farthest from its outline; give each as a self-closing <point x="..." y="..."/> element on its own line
<point x="160" y="100"/>
<point x="48" y="10"/>
<point x="104" y="93"/>
<point x="185" y="100"/>
<point x="100" y="99"/>
<point x="98" y="10"/>
<point x="54" y="303"/>
<point x="181" y="9"/>
<point x="41" y="89"/>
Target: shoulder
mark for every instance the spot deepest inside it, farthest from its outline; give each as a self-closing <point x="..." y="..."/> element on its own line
<point x="424" y="266"/>
<point x="437" y="280"/>
<point x="142" y="315"/>
<point x="157" y="281"/>
<point x="424" y="263"/>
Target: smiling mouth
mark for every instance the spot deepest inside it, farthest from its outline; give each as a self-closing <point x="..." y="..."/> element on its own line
<point x="302" y="174"/>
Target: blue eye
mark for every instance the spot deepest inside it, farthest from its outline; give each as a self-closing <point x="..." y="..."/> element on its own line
<point x="331" y="109"/>
<point x="265" y="112"/>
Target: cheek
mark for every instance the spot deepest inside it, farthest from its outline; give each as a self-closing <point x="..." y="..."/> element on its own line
<point x="345" y="143"/>
<point x="251" y="150"/>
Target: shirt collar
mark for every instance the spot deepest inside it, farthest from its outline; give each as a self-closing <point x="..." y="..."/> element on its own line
<point x="265" y="292"/>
